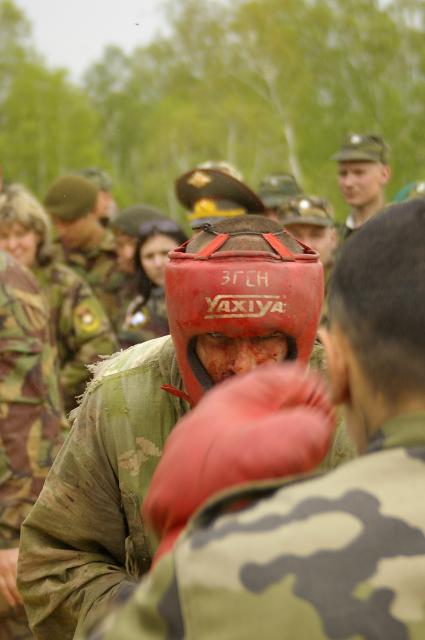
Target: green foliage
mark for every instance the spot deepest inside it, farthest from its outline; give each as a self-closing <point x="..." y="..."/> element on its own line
<point x="48" y="127"/>
<point x="265" y="84"/>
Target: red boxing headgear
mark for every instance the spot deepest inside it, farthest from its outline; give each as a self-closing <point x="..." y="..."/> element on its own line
<point x="241" y="294"/>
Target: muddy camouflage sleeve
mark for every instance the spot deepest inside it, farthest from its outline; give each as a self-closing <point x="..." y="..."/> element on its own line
<point x="84" y="543"/>
<point x="77" y="530"/>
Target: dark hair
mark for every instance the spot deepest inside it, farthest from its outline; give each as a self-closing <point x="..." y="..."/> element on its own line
<point x="254" y="225"/>
<point x="377" y="298"/>
<point x="147" y="230"/>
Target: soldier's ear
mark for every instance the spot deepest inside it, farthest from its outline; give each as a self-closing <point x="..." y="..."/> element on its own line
<point x="385" y="174"/>
<point x="337" y="362"/>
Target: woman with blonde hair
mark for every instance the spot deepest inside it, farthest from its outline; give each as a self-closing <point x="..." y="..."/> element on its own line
<point x="80" y="326"/>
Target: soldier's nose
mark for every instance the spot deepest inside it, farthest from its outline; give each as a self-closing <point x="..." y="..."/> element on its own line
<point x="244" y="358"/>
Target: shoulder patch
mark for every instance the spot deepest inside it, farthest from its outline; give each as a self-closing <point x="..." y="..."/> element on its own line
<point x="86" y="317"/>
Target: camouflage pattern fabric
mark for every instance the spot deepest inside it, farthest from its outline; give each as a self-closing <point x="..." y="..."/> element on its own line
<point x="145" y="321"/>
<point x="89" y="508"/>
<point x="340" y="557"/>
<point x="31" y="419"/>
<point x="98" y="267"/>
<point x="81" y="326"/>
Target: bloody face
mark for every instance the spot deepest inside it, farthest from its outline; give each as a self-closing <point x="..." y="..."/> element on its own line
<point x="223" y="357"/>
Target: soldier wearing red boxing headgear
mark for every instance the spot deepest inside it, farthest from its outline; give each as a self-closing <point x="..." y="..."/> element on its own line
<point x="255" y="297"/>
<point x="240" y="294"/>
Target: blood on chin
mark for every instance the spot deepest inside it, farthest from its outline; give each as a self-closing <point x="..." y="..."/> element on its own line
<point x="225" y="376"/>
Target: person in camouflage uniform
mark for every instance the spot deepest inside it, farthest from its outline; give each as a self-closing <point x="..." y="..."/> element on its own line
<point x="146" y="315"/>
<point x="106" y="207"/>
<point x="214" y="191"/>
<point x="81" y="329"/>
<point x="86" y="524"/>
<point x="363" y="172"/>
<point x="86" y="246"/>
<point x="125" y="228"/>
<point x="310" y="220"/>
<point x="336" y="557"/>
<point x="31" y="424"/>
<point x="276" y="189"/>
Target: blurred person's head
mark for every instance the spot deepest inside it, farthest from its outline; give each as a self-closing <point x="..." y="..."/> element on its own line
<point x="213" y="194"/>
<point x="155" y="239"/>
<point x="363" y="172"/>
<point x="25" y="231"/>
<point x="276" y="189"/>
<point x="106" y="208"/>
<point x="71" y="203"/>
<point x="310" y="220"/>
<point x="125" y="227"/>
<point x="376" y="340"/>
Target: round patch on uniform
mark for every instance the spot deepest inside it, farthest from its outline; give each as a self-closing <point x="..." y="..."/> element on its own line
<point x="137" y="319"/>
<point x="86" y="318"/>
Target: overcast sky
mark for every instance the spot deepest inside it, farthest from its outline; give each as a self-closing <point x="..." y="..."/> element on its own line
<point x="73" y="33"/>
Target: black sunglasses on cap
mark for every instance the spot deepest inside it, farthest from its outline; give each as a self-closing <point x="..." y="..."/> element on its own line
<point x="161" y="226"/>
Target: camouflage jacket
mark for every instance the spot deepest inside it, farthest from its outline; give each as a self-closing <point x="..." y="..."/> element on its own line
<point x="89" y="508"/>
<point x="336" y="557"/>
<point x="98" y="267"/>
<point x="82" y="329"/>
<point x="31" y="418"/>
<point x="145" y="321"/>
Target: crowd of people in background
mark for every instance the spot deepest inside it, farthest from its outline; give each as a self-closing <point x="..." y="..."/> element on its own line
<point x="91" y="281"/>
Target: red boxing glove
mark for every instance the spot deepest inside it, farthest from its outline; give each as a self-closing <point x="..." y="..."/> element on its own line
<point x="273" y="422"/>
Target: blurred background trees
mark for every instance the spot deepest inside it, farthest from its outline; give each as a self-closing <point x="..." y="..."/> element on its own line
<point x="267" y="85"/>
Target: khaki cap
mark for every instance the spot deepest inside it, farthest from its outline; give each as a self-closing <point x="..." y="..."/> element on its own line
<point x="71" y="197"/>
<point x="363" y="148"/>
<point x="307" y="210"/>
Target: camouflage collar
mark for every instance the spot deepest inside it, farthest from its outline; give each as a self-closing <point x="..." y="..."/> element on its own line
<point x="106" y="244"/>
<point x="407" y="430"/>
<point x="108" y="241"/>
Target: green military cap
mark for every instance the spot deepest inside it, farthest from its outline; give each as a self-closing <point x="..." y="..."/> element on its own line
<point x="277" y="188"/>
<point x="71" y="197"/>
<point x="130" y="220"/>
<point x="101" y="179"/>
<point x="363" y="148"/>
<point x="307" y="210"/>
<point x="411" y="190"/>
<point x="210" y="195"/>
